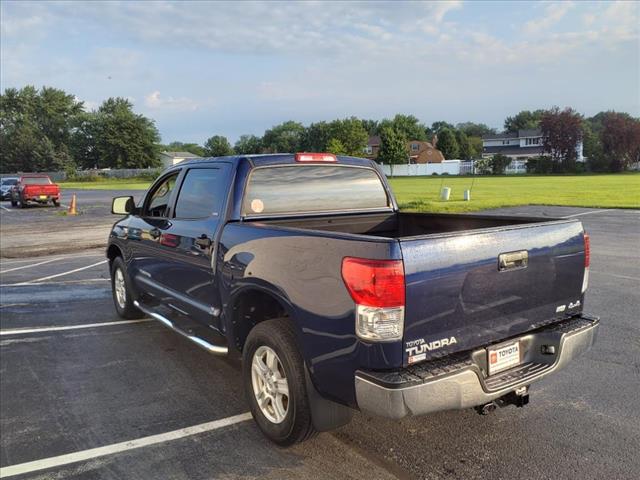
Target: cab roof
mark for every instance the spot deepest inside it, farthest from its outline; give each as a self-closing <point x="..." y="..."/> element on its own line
<point x="276" y="159"/>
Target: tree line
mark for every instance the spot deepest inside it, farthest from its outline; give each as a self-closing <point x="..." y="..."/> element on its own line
<point x="49" y="129"/>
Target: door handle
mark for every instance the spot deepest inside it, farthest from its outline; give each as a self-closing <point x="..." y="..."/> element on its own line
<point x="154" y="233"/>
<point x="203" y="241"/>
<point x="513" y="260"/>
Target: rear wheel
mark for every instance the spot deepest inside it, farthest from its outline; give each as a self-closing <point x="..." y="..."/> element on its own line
<point x="122" y="292"/>
<point x="274" y="380"/>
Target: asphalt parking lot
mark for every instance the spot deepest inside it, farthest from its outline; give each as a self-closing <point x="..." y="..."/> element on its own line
<point x="85" y="395"/>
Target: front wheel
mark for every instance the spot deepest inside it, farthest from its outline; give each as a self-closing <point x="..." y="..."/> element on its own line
<point x="121" y="291"/>
<point x="274" y="381"/>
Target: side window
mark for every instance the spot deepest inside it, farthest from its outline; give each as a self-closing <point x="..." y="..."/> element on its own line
<point x="158" y="200"/>
<point x="202" y="193"/>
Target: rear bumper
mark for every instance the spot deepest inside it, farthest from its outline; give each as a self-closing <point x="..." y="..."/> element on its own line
<point x="459" y="381"/>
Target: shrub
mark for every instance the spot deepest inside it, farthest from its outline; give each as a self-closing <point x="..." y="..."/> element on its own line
<point x="483" y="166"/>
<point x="540" y="164"/>
<point x="499" y="164"/>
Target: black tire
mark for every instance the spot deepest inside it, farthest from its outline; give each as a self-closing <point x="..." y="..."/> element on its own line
<point x="127" y="309"/>
<point x="56" y="203"/>
<point x="297" y="425"/>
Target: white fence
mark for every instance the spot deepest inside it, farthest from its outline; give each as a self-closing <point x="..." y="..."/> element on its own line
<point x="448" y="167"/>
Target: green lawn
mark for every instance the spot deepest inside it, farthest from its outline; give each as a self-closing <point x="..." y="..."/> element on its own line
<point x="604" y="191"/>
<point x="422" y="193"/>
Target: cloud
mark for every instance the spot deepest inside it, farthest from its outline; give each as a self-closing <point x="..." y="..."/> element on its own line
<point x="553" y="13"/>
<point x="154" y="101"/>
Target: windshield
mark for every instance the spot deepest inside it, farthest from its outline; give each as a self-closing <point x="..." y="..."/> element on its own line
<point x="9" y="181"/>
<point x="36" y="181"/>
<point x="313" y="188"/>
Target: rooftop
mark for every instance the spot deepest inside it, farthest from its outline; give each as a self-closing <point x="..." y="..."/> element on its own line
<point x="530" y="132"/>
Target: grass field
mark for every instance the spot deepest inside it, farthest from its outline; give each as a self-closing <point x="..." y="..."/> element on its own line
<point x="422" y="193"/>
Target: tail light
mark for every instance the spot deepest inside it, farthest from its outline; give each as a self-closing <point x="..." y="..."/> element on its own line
<point x="587" y="262"/>
<point x="316" y="157"/>
<point x="377" y="287"/>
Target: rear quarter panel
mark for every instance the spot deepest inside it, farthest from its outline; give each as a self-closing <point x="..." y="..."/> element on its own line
<point x="303" y="270"/>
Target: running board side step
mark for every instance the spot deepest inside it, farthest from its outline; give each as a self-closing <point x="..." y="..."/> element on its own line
<point x="211" y="348"/>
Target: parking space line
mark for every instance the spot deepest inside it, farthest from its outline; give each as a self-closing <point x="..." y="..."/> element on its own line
<point x="28" y="266"/>
<point x="615" y="275"/>
<point x="10" y="261"/>
<point x="66" y="273"/>
<point x="83" y="455"/>
<point x="18" y="331"/>
<point x="60" y="282"/>
<point x="589" y="212"/>
<point x="5" y="208"/>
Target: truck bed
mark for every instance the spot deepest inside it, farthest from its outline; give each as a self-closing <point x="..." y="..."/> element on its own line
<point x="402" y="225"/>
<point x="458" y="287"/>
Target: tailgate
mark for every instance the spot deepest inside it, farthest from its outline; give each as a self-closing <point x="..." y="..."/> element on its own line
<point x="458" y="297"/>
<point x="35" y="190"/>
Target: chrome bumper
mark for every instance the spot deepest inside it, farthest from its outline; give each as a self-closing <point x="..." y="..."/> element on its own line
<point x="458" y="382"/>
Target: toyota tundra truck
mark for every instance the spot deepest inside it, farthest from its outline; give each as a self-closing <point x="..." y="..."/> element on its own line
<point x="302" y="267"/>
<point x="34" y="188"/>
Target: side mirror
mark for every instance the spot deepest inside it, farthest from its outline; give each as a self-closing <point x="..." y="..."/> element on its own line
<point x="123" y="205"/>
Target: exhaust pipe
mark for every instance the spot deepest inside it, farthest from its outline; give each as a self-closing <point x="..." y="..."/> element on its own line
<point x="487" y="408"/>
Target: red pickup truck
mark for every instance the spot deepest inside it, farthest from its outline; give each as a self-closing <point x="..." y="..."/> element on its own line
<point x="34" y="188"/>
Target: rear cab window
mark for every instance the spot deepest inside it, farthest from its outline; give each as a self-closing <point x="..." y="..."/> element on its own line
<point x="303" y="189"/>
<point x="36" y="181"/>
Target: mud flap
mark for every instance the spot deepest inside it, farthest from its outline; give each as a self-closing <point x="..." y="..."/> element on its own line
<point x="326" y="414"/>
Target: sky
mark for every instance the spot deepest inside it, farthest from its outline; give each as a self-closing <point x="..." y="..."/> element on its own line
<point x="201" y="69"/>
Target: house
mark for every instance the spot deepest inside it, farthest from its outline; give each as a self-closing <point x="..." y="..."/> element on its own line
<point x="372" y="148"/>
<point x="169" y="159"/>
<point x="520" y="145"/>
<point x="418" y="151"/>
<point x="423" y="152"/>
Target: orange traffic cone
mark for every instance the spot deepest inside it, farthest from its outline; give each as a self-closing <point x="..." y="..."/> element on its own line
<point x="72" y="207"/>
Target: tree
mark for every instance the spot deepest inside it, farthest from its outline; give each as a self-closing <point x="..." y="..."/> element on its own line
<point x="464" y="147"/>
<point x="283" y="138"/>
<point x="248" y="144"/>
<point x="524" y="120"/>
<point x="499" y="164"/>
<point x="185" y="147"/>
<point x="336" y="147"/>
<point x="35" y="128"/>
<point x="217" y="146"/>
<point x="116" y="137"/>
<point x="475" y="129"/>
<point x="620" y="140"/>
<point x="447" y="144"/>
<point x="406" y="125"/>
<point x="561" y="132"/>
<point x="437" y="127"/>
<point x="475" y="147"/>
<point x="351" y="135"/>
<point x="371" y="126"/>
<point x="393" y="147"/>
<point x="315" y="137"/>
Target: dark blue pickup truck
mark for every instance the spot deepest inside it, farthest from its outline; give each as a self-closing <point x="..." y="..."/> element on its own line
<point x="303" y="266"/>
